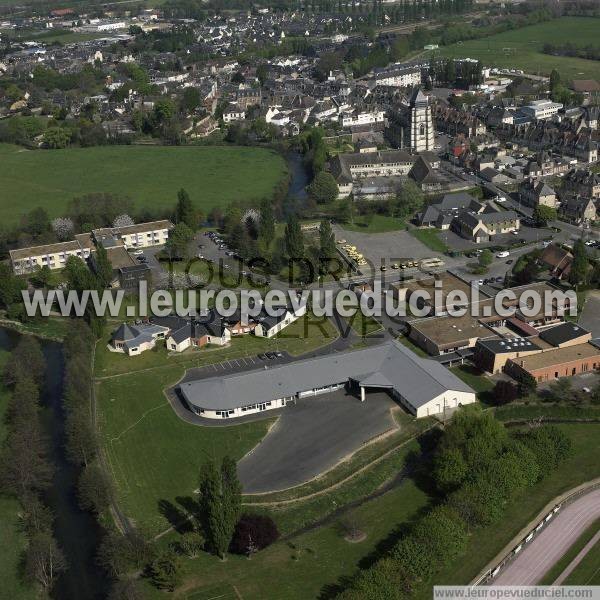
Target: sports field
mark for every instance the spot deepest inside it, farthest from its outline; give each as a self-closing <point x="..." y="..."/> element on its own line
<point x="522" y="48"/>
<point x="150" y="175"/>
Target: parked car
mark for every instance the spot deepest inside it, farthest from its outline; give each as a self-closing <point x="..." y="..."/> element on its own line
<point x="261" y="356"/>
<point x="503" y="254"/>
<point x="137" y="252"/>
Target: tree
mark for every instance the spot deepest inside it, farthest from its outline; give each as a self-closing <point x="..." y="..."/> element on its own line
<point x="94" y="488"/>
<point x="327" y="249"/>
<point x="220" y="500"/>
<point x="543" y="214"/>
<point x="123" y="220"/>
<point x="231" y="495"/>
<point x="36" y="222"/>
<point x="505" y="392"/>
<point x="57" y="138"/>
<point x="178" y="244"/>
<point x="103" y="267"/>
<point x="253" y="533"/>
<point x="215" y="524"/>
<point x="450" y="469"/>
<point x="44" y="560"/>
<point x="486" y="258"/>
<point x="10" y="286"/>
<point x="294" y="240"/>
<point x="191" y="99"/>
<point x="25" y="362"/>
<point x="119" y="554"/>
<point x="409" y="199"/>
<point x="184" y="211"/>
<point x="165" y="571"/>
<point x="344" y="211"/>
<point x="323" y="189"/>
<point x="126" y="589"/>
<point x="580" y="266"/>
<point x="266" y="226"/>
<point x="63" y="228"/>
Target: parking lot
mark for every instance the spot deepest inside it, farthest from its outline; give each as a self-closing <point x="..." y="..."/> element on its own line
<point x="312" y="436"/>
<point x="384" y="249"/>
<point x="236" y="365"/>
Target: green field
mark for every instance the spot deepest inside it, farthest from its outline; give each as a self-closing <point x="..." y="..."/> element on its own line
<point x="521" y="48"/>
<point x="299" y="569"/>
<point x="431" y="238"/>
<point x="587" y="572"/>
<point x="154" y="456"/>
<point x="150" y="175"/>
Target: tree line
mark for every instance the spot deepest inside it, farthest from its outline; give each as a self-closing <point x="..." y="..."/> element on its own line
<point x="476" y="466"/>
<point x="26" y="468"/>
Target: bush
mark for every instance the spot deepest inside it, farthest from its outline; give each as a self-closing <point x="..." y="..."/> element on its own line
<point x="253" y="533"/>
<point x="191" y="544"/>
<point x="505" y="392"/>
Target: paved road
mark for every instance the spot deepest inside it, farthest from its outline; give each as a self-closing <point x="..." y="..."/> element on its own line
<point x="313" y="436"/>
<point x="590" y="315"/>
<point x="543" y="552"/>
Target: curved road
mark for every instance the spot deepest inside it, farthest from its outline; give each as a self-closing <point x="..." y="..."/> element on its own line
<point x="547" y="548"/>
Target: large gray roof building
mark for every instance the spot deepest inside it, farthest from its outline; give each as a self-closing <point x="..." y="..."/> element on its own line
<point x="423" y="386"/>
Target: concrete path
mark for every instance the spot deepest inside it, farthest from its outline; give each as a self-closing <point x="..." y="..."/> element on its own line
<point x="546" y="549"/>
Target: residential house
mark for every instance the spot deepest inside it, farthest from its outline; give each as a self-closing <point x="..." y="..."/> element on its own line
<point x="537" y="193"/>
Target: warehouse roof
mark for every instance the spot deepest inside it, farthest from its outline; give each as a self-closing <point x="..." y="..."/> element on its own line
<point x="389" y="365"/>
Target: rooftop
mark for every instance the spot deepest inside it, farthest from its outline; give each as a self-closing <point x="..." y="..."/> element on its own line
<point x="559" y="356"/>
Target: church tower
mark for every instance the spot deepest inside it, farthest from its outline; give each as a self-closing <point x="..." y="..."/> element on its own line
<point x="421" y="122"/>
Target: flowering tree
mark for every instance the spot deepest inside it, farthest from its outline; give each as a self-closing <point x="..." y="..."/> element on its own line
<point x="123" y="221"/>
<point x="63" y="228"/>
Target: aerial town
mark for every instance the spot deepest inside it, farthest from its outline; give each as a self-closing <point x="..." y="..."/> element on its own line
<point x="299" y="299"/>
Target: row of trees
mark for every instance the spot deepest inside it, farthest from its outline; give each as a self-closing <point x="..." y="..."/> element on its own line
<point x="26" y="469"/>
<point x="477" y="467"/>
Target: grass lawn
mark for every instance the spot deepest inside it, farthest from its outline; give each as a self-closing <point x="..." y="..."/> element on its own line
<point x="375" y="224"/>
<point x="405" y="341"/>
<point x="50" y="327"/>
<point x="154" y="456"/>
<point x="150" y="175"/>
<point x="431" y="238"/>
<point x="587" y="572"/>
<point x="301" y="567"/>
<point x="482" y="384"/>
<point x="363" y="325"/>
<point x="487" y="542"/>
<point x="573" y="551"/>
<point x="304" y="335"/>
<point x="13" y="539"/>
<point x="522" y="48"/>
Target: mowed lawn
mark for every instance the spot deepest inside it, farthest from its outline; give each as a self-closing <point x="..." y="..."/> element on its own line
<point x="155" y="457"/>
<point x="150" y="175"/>
<point x="522" y="48"/>
<point x="301" y="568"/>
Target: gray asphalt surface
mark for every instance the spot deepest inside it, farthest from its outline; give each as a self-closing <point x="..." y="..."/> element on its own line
<point x="590" y="315"/>
<point x="542" y="553"/>
<point x="313" y="436"/>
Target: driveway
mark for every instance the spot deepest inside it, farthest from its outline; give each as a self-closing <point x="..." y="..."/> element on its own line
<point x="547" y="548"/>
<point x="311" y="437"/>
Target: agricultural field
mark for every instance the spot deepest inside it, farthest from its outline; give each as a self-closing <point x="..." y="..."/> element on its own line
<point x="150" y="175"/>
<point x="522" y="48"/>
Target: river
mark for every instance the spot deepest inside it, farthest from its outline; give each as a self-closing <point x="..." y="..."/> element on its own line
<point x="299" y="178"/>
<point x="76" y="531"/>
